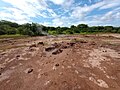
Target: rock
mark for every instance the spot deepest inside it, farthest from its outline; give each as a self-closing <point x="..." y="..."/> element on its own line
<point x="29" y="70"/>
<point x="32" y="49"/>
<point x="47" y="82"/>
<point x="40" y="43"/>
<point x="17" y="56"/>
<point x="92" y="43"/>
<point x="56" y="45"/>
<point x="86" y="36"/>
<point x="83" y="41"/>
<point x="57" y="65"/>
<point x="64" y="47"/>
<point x="54" y="68"/>
<point x="3" y="53"/>
<point x="71" y="43"/>
<point x="61" y="73"/>
<point x="48" y="49"/>
<point x="57" y="51"/>
<point x="76" y="71"/>
<point x="104" y="50"/>
<point x="33" y="45"/>
<point x="63" y="67"/>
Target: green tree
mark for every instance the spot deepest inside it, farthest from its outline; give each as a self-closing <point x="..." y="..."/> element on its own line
<point x="82" y="27"/>
<point x="108" y="28"/>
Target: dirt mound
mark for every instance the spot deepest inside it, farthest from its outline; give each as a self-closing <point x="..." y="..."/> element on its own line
<point x="57" y="51"/>
<point x="61" y="63"/>
<point x="50" y="48"/>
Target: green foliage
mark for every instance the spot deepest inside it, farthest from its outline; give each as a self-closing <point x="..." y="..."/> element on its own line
<point x="11" y="24"/>
<point x="34" y="29"/>
<point x="52" y="32"/>
<point x="118" y="30"/>
<point x="16" y="36"/>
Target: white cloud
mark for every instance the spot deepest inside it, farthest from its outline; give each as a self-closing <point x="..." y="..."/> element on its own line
<point x="52" y="13"/>
<point x="59" y="2"/>
<point x="26" y="9"/>
<point x="110" y="4"/>
<point x="79" y="15"/>
<point x="57" y="22"/>
<point x="67" y="4"/>
<point x="107" y="17"/>
<point x="15" y="15"/>
<point x="81" y="12"/>
<point x="68" y="12"/>
<point x="46" y="23"/>
<point x="29" y="7"/>
<point x="110" y="16"/>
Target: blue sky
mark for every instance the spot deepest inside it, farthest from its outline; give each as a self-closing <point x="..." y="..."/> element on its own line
<point x="61" y="12"/>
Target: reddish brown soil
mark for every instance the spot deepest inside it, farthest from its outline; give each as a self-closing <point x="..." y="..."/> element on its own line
<point x="78" y="62"/>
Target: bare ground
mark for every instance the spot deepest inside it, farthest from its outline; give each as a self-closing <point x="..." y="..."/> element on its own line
<point x="76" y="62"/>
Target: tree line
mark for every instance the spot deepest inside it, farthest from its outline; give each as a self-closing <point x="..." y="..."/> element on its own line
<point x="34" y="29"/>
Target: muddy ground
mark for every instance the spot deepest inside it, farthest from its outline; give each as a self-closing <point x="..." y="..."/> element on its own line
<point x="73" y="62"/>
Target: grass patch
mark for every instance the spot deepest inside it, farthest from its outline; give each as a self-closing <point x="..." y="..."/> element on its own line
<point x="11" y="47"/>
<point x="16" y="36"/>
<point x="79" y="40"/>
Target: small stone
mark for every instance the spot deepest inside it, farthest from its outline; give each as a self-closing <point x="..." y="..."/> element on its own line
<point x="71" y="44"/>
<point x="47" y="83"/>
<point x="17" y="56"/>
<point x="56" y="45"/>
<point x="76" y="71"/>
<point x="65" y="47"/>
<point x="56" y="65"/>
<point x="61" y="73"/>
<point x="72" y="59"/>
<point x="54" y="68"/>
<point x="3" y="53"/>
<point x="48" y="49"/>
<point x="29" y="70"/>
<point x="63" y="67"/>
<point x="83" y="41"/>
<point x="57" y="51"/>
<point x="104" y="50"/>
<point x="40" y="43"/>
<point x="31" y="49"/>
<point x="33" y="45"/>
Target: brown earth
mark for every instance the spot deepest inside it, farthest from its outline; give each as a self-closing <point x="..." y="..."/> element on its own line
<point x="76" y="62"/>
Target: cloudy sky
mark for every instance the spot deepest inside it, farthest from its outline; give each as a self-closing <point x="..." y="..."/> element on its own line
<point x="61" y="12"/>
